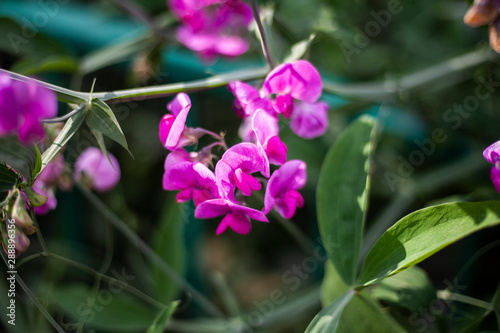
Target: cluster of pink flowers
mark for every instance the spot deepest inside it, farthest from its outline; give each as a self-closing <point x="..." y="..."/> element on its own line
<point x="245" y="167"/>
<point x="212" y="27"/>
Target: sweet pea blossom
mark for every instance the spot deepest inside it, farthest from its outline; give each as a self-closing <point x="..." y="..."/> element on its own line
<point x="212" y="27"/>
<point x="193" y="179"/>
<point x="492" y="155"/>
<point x="260" y="121"/>
<point x="236" y="216"/>
<point x="22" y="105"/>
<point x="484" y="12"/>
<point x="173" y="131"/>
<point x="298" y="87"/>
<point x="235" y="168"/>
<point x="95" y="170"/>
<point x="281" y="191"/>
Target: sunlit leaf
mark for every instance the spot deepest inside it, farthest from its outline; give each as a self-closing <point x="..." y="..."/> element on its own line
<point x="101" y="118"/>
<point x="424" y="232"/>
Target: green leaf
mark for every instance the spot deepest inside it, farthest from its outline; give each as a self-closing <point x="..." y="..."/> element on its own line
<point x="111" y="310"/>
<point x="362" y="314"/>
<point x="8" y="178"/>
<point x="68" y="130"/>
<point x="101" y="119"/>
<point x="410" y="289"/>
<point x="299" y="49"/>
<point x="327" y="320"/>
<point x="21" y="158"/>
<point x="332" y="285"/>
<point x="424" y="232"/>
<point x="170" y="245"/>
<point x="162" y="318"/>
<point x="342" y="196"/>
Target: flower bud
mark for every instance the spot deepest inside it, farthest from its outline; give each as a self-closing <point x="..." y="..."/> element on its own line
<point x="35" y="199"/>
<point x="22" y="241"/>
<point x="21" y="216"/>
<point x="480" y="13"/>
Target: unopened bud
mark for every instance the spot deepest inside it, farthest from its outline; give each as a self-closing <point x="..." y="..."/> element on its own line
<point x="35" y="199"/>
<point x="494" y="36"/>
<point x="20" y="215"/>
<point x="480" y="13"/>
<point x="22" y="241"/>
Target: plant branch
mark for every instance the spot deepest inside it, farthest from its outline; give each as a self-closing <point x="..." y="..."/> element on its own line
<point x="262" y="34"/>
<point x="148" y="252"/>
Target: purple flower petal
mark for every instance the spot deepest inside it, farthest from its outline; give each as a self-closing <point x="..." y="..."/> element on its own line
<point x="492" y="153"/>
<point x="102" y="175"/>
<point x="245" y="156"/>
<point x="495" y="178"/>
<point x="282" y="186"/>
<point x="299" y="79"/>
<point x="237" y="217"/>
<point x="171" y="129"/>
<point x="275" y="150"/>
<point x="309" y="120"/>
<point x="52" y="171"/>
<point x="238" y="222"/>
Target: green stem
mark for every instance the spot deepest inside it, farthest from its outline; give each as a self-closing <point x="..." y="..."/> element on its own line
<point x="109" y="279"/>
<point x="447" y="295"/>
<point x="448" y="71"/>
<point x="262" y="34"/>
<point x="148" y="252"/>
<point x="41" y="240"/>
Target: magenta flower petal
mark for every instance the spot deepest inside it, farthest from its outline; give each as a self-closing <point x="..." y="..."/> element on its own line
<point x="275" y="150"/>
<point x="244" y="93"/>
<point x="47" y="191"/>
<point x="281" y="188"/>
<point x="265" y="126"/>
<point x="492" y="153"/>
<point x="238" y="222"/>
<point x="245" y="156"/>
<point x="246" y="183"/>
<point x="194" y="180"/>
<point x="22" y="105"/>
<point x="300" y="79"/>
<point x="237" y="217"/>
<point x="101" y="174"/>
<point x="309" y="120"/>
<point x="171" y="129"/>
<point x="495" y="178"/>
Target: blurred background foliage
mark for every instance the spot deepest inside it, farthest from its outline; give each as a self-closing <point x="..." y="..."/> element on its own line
<point x="69" y="43"/>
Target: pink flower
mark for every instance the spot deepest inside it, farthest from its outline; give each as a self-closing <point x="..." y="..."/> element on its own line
<point x="172" y="125"/>
<point x="298" y="81"/>
<point x="236" y="216"/>
<point x="193" y="179"/>
<point x="281" y="191"/>
<point x="22" y="105"/>
<point x="492" y="155"/>
<point x="235" y="168"/>
<point x="212" y="27"/>
<point x="52" y="173"/>
<point x="266" y="130"/>
<point x="95" y="170"/>
<point x="173" y="131"/>
<point x="309" y="120"/>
